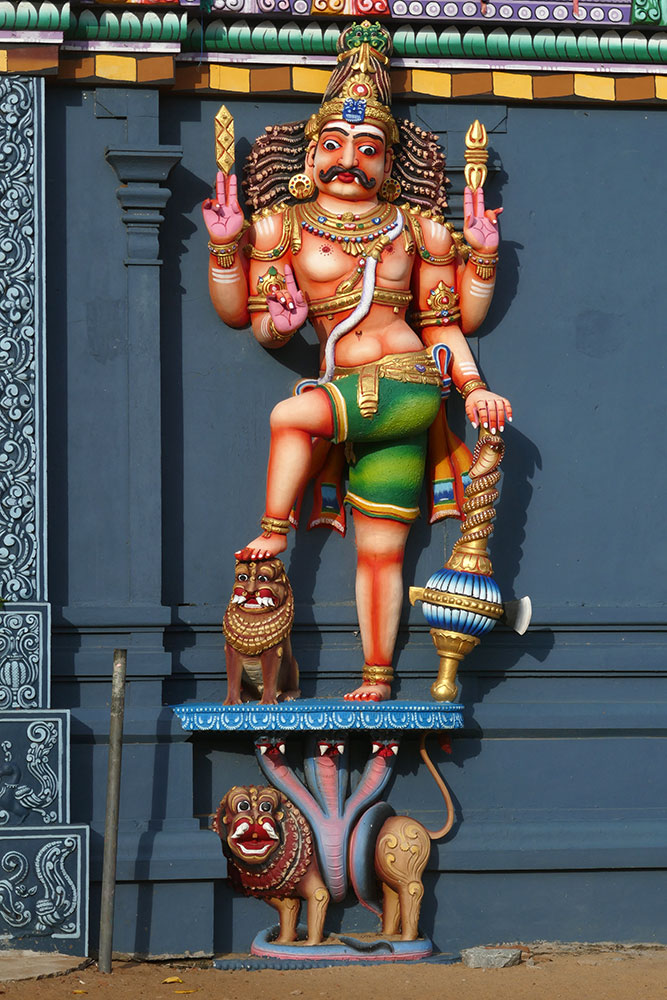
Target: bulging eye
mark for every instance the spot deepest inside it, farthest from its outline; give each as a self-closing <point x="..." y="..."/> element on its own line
<point x="330" y="144"/>
<point x="265" y="807"/>
<point x="368" y="150"/>
<point x="242" y="577"/>
<point x="262" y="578"/>
<point x="243" y="806"/>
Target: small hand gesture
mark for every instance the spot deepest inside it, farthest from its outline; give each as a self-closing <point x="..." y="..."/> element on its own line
<point x="489" y="409"/>
<point x="480" y="227"/>
<point x="223" y="217"/>
<point x="288" y="308"/>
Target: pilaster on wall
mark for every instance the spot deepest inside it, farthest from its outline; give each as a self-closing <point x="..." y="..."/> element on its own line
<point x="141" y="166"/>
<point x="44" y="896"/>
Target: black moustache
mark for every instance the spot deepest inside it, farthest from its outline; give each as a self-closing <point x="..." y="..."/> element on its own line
<point x="364" y="179"/>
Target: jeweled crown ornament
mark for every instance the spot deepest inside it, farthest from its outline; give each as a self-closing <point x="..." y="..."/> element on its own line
<point x="359" y="89"/>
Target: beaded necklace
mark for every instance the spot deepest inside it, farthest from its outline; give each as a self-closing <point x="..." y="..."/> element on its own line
<point x="356" y="235"/>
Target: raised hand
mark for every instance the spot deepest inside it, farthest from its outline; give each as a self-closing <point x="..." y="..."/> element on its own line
<point x="488" y="409"/>
<point x="288" y="308"/>
<point x="223" y="217"/>
<point x="480" y="226"/>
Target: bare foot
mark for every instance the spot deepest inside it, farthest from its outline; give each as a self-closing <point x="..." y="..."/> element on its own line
<point x="370" y="692"/>
<point x="265" y="546"/>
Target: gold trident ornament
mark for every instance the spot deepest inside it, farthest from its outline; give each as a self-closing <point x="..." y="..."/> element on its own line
<point x="476" y="155"/>
<point x="224" y="140"/>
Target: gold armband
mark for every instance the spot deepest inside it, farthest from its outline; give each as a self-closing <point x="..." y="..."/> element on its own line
<point x="443" y="303"/>
<point x="256" y="303"/>
<point x="470" y="386"/>
<point x="224" y="253"/>
<point x="485" y="263"/>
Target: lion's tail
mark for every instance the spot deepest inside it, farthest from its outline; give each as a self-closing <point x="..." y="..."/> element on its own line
<point x="437" y="834"/>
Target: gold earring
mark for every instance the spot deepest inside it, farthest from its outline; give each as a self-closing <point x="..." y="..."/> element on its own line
<point x="300" y="186"/>
<point x="390" y="189"/>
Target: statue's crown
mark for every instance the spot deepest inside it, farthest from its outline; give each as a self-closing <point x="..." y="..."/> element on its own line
<point x="359" y="89"/>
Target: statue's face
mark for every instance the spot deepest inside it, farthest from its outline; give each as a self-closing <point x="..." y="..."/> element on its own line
<point x="350" y="161"/>
<point x="252" y="821"/>
<point x="259" y="586"/>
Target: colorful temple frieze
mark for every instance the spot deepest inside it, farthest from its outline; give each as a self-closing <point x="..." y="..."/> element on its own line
<point x="483" y="49"/>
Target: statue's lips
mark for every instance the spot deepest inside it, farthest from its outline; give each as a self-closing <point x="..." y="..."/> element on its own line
<point x="254" y="840"/>
<point x="346" y="178"/>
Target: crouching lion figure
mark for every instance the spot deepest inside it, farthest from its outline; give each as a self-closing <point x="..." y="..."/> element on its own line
<point x="257" y="626"/>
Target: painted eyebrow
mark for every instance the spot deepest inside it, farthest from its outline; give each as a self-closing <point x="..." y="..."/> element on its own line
<point x="355" y="135"/>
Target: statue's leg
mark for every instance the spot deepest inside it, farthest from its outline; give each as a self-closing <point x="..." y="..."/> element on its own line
<point x="316" y="894"/>
<point x="379" y="588"/>
<point x="234" y="674"/>
<point x="294" y="422"/>
<point x="391" y="911"/>
<point x="288" y="912"/>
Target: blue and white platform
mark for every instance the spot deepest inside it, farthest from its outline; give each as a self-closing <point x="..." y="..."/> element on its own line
<point x="325" y="714"/>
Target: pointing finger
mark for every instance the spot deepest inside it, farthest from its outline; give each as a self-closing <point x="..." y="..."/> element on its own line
<point x="232" y="190"/>
<point x="290" y="282"/>
<point x="479" y="203"/>
<point x="220" y="187"/>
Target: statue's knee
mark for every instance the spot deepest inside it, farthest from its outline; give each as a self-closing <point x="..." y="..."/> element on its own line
<point x="281" y="415"/>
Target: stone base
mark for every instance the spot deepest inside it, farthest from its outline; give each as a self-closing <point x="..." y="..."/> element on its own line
<point x="340" y="948"/>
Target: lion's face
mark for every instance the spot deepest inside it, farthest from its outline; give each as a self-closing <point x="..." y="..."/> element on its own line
<point x="251" y="820"/>
<point x="259" y="586"/>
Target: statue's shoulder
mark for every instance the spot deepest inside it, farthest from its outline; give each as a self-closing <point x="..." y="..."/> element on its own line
<point x="269" y="236"/>
<point x="430" y="232"/>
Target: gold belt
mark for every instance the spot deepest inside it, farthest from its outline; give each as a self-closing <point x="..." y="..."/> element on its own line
<point x="338" y="303"/>
<point x="417" y="367"/>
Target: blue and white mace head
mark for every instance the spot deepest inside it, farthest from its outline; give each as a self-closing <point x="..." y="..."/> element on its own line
<point x="468" y="603"/>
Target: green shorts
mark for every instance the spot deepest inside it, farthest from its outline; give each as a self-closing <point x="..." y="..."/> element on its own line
<point x="387" y="470"/>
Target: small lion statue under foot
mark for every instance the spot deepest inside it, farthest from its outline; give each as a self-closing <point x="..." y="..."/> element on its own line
<point x="257" y="626"/>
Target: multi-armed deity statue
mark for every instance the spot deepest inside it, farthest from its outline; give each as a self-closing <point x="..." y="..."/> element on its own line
<point x="348" y="233"/>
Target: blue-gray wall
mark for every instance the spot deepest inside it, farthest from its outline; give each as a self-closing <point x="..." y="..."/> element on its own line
<point x="559" y="779"/>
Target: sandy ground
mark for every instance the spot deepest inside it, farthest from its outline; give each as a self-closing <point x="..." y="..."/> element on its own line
<point x="553" y="973"/>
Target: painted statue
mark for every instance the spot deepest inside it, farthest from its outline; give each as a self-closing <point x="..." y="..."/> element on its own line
<point x="348" y="232"/>
<point x="257" y="626"/>
<point x="282" y="852"/>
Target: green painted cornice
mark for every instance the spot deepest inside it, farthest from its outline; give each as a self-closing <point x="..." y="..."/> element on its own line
<point x="519" y="44"/>
<point x="34" y="16"/>
<point x="121" y="24"/>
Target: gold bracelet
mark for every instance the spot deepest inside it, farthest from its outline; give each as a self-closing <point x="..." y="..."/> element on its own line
<point x="275" y="334"/>
<point x="470" y="386"/>
<point x="485" y="263"/>
<point x="224" y="253"/>
<point x="374" y="674"/>
<point x="275" y="525"/>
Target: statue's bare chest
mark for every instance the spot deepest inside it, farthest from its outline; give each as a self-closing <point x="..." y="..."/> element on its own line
<point x="320" y="266"/>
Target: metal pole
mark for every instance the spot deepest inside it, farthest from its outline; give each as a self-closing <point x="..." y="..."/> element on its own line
<point x="113" y="799"/>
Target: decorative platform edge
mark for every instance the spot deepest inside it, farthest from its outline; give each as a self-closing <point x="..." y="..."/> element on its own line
<point x="256" y="964"/>
<point x="322" y="715"/>
<point x="345" y="949"/>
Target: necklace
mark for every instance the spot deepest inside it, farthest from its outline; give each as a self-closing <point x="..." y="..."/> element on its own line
<point x="357" y="235"/>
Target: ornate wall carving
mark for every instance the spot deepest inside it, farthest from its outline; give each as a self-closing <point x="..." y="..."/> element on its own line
<point x="43" y="880"/>
<point x="21" y="346"/>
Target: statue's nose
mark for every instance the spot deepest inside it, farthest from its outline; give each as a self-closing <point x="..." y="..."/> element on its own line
<point x="348" y="155"/>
